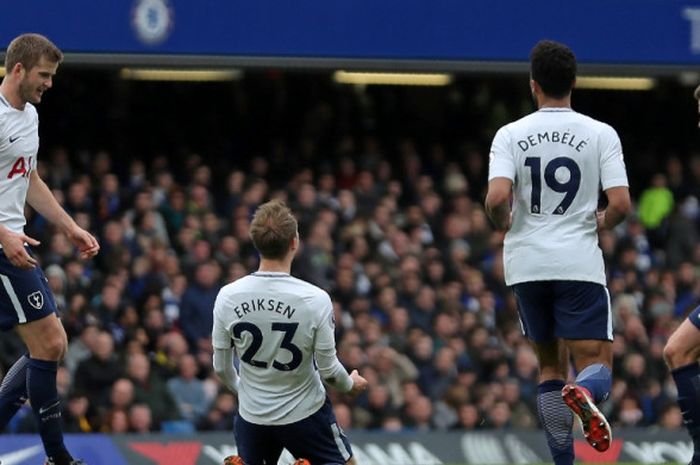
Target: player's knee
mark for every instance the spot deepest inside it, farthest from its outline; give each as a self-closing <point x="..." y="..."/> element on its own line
<point x="676" y="354"/>
<point x="351" y="461"/>
<point x="51" y="347"/>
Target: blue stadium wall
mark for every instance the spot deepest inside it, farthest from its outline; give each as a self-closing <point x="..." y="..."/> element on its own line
<point x="434" y="448"/>
<point x="617" y="32"/>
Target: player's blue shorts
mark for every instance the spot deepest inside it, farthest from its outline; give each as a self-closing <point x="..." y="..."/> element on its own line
<point x="694" y="317"/>
<point x="317" y="438"/>
<point x="24" y="294"/>
<point x="564" y="309"/>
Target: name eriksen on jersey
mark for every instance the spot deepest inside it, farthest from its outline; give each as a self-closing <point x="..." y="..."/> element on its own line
<point x="565" y="138"/>
<point x="271" y="305"/>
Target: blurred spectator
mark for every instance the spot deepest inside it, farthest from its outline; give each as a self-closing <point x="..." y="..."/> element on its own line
<point x="95" y="375"/>
<point x="75" y="415"/>
<point x="140" y="419"/>
<point x="655" y="204"/>
<point x="188" y="391"/>
<point x="81" y="348"/>
<point x="197" y="302"/>
<point x="149" y="389"/>
<point x="219" y="417"/>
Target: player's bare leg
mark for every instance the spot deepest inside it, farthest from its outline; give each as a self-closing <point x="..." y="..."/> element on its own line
<point x="592" y="359"/>
<point x="683" y="347"/>
<point x="45" y="338"/>
<point x="681" y="354"/>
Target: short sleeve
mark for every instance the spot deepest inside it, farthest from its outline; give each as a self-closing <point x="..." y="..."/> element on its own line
<point x="221" y="336"/>
<point x="325" y="335"/>
<point x="612" y="162"/>
<point x="501" y="162"/>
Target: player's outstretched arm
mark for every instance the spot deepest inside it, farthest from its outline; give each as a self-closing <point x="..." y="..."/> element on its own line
<point x="40" y="197"/>
<point x="223" y="366"/>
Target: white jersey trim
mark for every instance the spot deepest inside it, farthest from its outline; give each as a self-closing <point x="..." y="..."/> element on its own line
<point x="610" y="322"/>
<point x="13" y="298"/>
<point x="339" y="442"/>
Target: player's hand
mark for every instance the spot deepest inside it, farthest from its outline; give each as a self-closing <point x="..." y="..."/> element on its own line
<point x="359" y="384"/>
<point x="13" y="247"/>
<point x="600" y="219"/>
<point x="84" y="241"/>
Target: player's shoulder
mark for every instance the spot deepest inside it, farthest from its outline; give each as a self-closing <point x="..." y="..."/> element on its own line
<point x="309" y="290"/>
<point x="505" y="132"/>
<point x="596" y="125"/>
<point x="514" y="128"/>
<point x="232" y="288"/>
<point x="5" y="110"/>
<point x="31" y="111"/>
<point x="8" y="113"/>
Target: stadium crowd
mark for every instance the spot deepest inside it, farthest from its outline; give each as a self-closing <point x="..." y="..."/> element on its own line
<point x="401" y="243"/>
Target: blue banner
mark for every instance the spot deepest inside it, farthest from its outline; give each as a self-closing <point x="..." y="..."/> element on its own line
<point x="497" y="447"/>
<point x="647" y="32"/>
<point x="95" y="449"/>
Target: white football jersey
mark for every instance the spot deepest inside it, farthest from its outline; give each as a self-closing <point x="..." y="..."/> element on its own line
<point x="19" y="145"/>
<point x="275" y="322"/>
<point x="558" y="160"/>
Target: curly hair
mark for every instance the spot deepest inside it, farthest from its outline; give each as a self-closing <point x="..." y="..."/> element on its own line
<point x="553" y="67"/>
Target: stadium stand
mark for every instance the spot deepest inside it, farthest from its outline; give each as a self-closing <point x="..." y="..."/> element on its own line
<point x="388" y="186"/>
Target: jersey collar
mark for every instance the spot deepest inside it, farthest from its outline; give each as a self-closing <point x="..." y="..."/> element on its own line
<point x="555" y="109"/>
<point x="271" y="274"/>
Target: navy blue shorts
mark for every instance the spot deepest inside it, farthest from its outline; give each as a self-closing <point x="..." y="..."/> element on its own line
<point x="564" y="309"/>
<point x="24" y="294"/>
<point x="694" y="317"/>
<point x="317" y="438"/>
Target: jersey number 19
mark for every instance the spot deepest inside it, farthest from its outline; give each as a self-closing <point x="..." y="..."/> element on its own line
<point x="569" y="188"/>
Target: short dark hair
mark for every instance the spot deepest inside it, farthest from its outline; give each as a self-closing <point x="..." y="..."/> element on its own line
<point x="553" y="67"/>
<point x="272" y="230"/>
<point x="28" y="49"/>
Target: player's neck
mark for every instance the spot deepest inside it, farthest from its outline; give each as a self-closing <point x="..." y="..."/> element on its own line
<point x="11" y="94"/>
<point x="549" y="102"/>
<point x="275" y="266"/>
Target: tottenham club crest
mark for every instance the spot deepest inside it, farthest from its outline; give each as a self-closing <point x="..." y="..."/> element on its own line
<point x="36" y="299"/>
<point x="152" y="20"/>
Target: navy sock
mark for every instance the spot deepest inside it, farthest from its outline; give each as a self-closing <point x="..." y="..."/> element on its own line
<point x="687" y="380"/>
<point x="41" y="386"/>
<point x="597" y="378"/>
<point x="13" y="391"/>
<point x="557" y="421"/>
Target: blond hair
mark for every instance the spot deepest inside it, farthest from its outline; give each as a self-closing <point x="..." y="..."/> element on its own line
<point x="272" y="230"/>
<point x="28" y="49"/>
